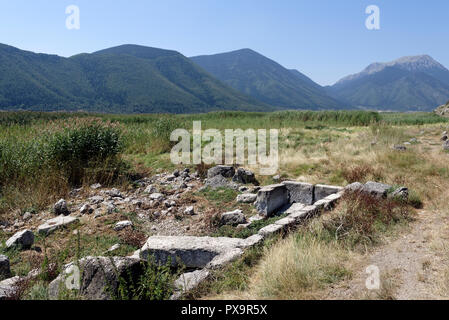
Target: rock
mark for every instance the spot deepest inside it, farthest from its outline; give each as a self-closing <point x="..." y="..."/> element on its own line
<point x="299" y="192"/>
<point x="189" y="211"/>
<point x="114" y="247"/>
<point x="110" y="208"/>
<point x="27" y="216"/>
<point x="150" y="189"/>
<point x="322" y="191"/>
<point x="176" y="173"/>
<point x="413" y="140"/>
<point x="100" y="276"/>
<point x="23" y="239"/>
<point x="271" y="198"/>
<point x="189" y="281"/>
<point x="444" y="137"/>
<point x="192" y="252"/>
<point x="225" y="171"/>
<point x="114" y="193"/>
<point x="244" y="177"/>
<point x="270" y="229"/>
<point x="277" y="178"/>
<point x="169" y="203"/>
<point x="96" y="199"/>
<point x="401" y="193"/>
<point x="446" y="145"/>
<point x="122" y="225"/>
<point x="56" y="223"/>
<point x="376" y="189"/>
<point x="356" y="186"/>
<point x="247" y="198"/>
<point x="86" y="209"/>
<point x="60" y="207"/>
<point x="5" y="271"/>
<point x="233" y="218"/>
<point x="170" y="178"/>
<point x="95" y="186"/>
<point x="8" y="288"/>
<point x="398" y="147"/>
<point x="220" y="182"/>
<point x="157" y="196"/>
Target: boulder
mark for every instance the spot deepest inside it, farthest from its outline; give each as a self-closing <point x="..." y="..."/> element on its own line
<point x="299" y="192"/>
<point x="95" y="186"/>
<point x="5" y="271"/>
<point x="321" y="191"/>
<point x="271" y="198"/>
<point x="150" y="189"/>
<point x="233" y="218"/>
<point x="191" y="252"/>
<point x="356" y="186"/>
<point x="8" y="288"/>
<point x="27" y="216"/>
<point x="122" y="225"/>
<point x="114" y="193"/>
<point x="189" y="211"/>
<point x="225" y="171"/>
<point x="401" y="193"/>
<point x="157" y="196"/>
<point x="246" y="198"/>
<point x="376" y="189"/>
<point x="86" y="209"/>
<point x="100" y="276"/>
<point x="189" y="281"/>
<point x="96" y="199"/>
<point x="60" y="207"/>
<point x="23" y="239"/>
<point x="243" y="176"/>
<point x="399" y="147"/>
<point x="220" y="181"/>
<point x="56" y="223"/>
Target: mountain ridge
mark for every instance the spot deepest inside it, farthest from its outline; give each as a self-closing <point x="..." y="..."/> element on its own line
<point x="417" y="83"/>
<point x="124" y="79"/>
<point x="266" y="80"/>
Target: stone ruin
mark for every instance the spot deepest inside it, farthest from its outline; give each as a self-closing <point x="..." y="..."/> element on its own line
<point x="298" y="201"/>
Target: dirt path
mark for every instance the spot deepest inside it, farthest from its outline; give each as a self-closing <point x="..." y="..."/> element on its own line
<point x="413" y="266"/>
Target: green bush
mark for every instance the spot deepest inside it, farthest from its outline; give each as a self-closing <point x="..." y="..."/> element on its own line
<point x="88" y="145"/>
<point x="156" y="283"/>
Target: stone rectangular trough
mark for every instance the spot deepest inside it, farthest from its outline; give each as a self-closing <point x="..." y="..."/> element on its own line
<point x="192" y="252"/>
<point x="299" y="192"/>
<point x="271" y="198"/>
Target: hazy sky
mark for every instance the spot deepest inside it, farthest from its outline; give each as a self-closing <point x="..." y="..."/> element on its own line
<point x="325" y="39"/>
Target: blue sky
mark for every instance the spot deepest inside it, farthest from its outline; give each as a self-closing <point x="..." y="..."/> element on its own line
<point x="325" y="39"/>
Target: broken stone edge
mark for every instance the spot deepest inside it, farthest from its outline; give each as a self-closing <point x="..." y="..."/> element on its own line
<point x="191" y="280"/>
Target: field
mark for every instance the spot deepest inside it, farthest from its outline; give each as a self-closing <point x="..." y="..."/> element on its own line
<point x="43" y="156"/>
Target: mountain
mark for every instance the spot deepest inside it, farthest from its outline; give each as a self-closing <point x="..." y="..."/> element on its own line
<point x="125" y="79"/>
<point x="265" y="80"/>
<point x="409" y="83"/>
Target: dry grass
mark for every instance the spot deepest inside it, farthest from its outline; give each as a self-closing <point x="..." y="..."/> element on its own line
<point x="303" y="265"/>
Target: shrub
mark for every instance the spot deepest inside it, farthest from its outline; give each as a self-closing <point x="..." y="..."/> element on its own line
<point x="83" y="145"/>
<point x="156" y="283"/>
<point x="161" y="131"/>
<point x="360" y="215"/>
